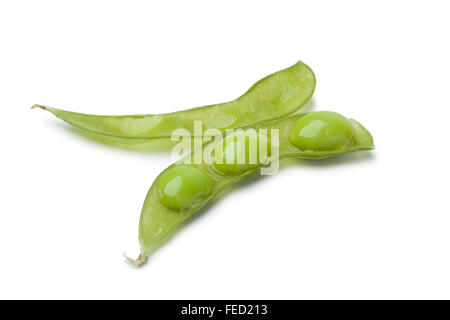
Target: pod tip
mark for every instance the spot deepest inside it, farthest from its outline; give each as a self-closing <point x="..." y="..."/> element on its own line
<point x="139" y="262"/>
<point x="38" y="106"/>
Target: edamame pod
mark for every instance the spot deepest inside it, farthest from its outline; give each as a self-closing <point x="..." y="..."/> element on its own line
<point x="272" y="97"/>
<point x="185" y="187"/>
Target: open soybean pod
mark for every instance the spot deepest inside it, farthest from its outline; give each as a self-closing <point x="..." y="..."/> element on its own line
<point x="274" y="96"/>
<point x="185" y="187"/>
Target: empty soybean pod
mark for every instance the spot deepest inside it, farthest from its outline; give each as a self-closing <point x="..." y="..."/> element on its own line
<point x="185" y="187"/>
<point x="274" y="96"/>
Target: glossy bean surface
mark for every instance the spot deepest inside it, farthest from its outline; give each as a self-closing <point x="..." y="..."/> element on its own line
<point x="323" y="130"/>
<point x="182" y="187"/>
<point x="241" y="152"/>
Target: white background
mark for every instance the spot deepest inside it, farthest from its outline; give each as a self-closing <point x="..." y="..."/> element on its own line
<point x="367" y="225"/>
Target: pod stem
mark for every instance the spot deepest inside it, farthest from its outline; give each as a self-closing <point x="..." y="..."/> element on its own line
<point x="139" y="262"/>
<point x="39" y="106"/>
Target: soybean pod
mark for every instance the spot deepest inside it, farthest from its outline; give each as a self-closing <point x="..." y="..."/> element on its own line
<point x="184" y="187"/>
<point x="275" y="96"/>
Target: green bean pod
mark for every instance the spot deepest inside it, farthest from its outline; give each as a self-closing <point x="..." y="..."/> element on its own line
<point x="272" y="97"/>
<point x="184" y="187"/>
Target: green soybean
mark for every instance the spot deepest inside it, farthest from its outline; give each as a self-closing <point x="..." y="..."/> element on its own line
<point x="275" y="96"/>
<point x="241" y="151"/>
<point x="161" y="215"/>
<point x="322" y="130"/>
<point x="182" y="187"/>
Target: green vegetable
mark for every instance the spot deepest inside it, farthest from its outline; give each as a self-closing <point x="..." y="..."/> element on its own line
<point x="187" y="185"/>
<point x="299" y="136"/>
<point x="272" y="97"/>
<point x="237" y="149"/>
<point x="182" y="187"/>
<point x="320" y="131"/>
